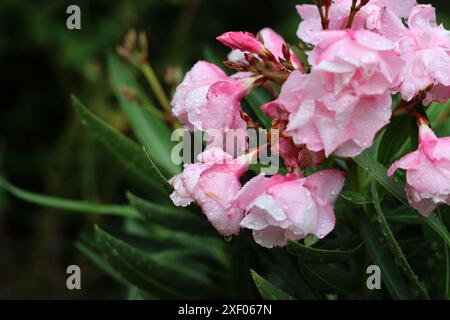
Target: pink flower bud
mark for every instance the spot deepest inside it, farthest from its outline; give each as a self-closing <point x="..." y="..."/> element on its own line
<point x="244" y="41"/>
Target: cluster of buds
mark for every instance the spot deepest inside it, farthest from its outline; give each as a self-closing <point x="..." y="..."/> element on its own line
<point x="266" y="54"/>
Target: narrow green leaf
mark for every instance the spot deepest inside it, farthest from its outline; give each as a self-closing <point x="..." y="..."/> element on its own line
<point x="268" y="290"/>
<point x="329" y="277"/>
<point x="355" y="198"/>
<point x="151" y="131"/>
<point x="436" y="110"/>
<point x="393" y="245"/>
<point x="381" y="257"/>
<point x="69" y="205"/>
<point x="91" y="252"/>
<point x="160" y="274"/>
<point x="319" y="255"/>
<point x="435" y="223"/>
<point x="396" y="140"/>
<point x="124" y="149"/>
<point x="256" y="98"/>
<point x="171" y="217"/>
<point x="379" y="173"/>
<point x="156" y="174"/>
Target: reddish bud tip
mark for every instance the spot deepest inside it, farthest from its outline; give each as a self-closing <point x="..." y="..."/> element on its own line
<point x="243" y="41"/>
<point x="363" y="2"/>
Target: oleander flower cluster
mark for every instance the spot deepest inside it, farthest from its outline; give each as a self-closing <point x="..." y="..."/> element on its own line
<point x="332" y="94"/>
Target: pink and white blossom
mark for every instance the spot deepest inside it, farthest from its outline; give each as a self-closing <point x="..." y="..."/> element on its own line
<point x="362" y="60"/>
<point x="209" y="99"/>
<point x="342" y="123"/>
<point x="290" y="207"/>
<point x="427" y="172"/>
<point x="213" y="184"/>
<point x="425" y="49"/>
<point x="372" y="17"/>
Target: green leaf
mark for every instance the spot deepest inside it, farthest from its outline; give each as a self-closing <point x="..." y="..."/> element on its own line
<point x="124" y="149"/>
<point x="437" y="254"/>
<point x="319" y="255"/>
<point x="256" y="98"/>
<point x="69" y="205"/>
<point x="151" y="131"/>
<point x="268" y="290"/>
<point x="393" y="245"/>
<point x="171" y="217"/>
<point x="165" y="274"/>
<point x="157" y="175"/>
<point x="355" y="198"/>
<point x="381" y="257"/>
<point x="329" y="277"/>
<point x="379" y="173"/>
<point x="92" y="253"/>
<point x="212" y="257"/>
<point x="437" y="111"/>
<point x="396" y="140"/>
<point x="435" y="223"/>
<point x="310" y="240"/>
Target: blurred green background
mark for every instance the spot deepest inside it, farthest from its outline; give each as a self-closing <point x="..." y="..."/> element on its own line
<point x="42" y="146"/>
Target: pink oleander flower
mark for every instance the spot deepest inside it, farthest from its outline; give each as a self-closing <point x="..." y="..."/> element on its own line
<point x="290" y="207"/>
<point x="342" y="123"/>
<point x="273" y="42"/>
<point x="213" y="184"/>
<point x="361" y="59"/>
<point x="425" y="48"/>
<point x="209" y="99"/>
<point x="427" y="172"/>
<point x="371" y="16"/>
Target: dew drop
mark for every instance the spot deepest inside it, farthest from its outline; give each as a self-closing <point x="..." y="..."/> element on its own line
<point x="228" y="238"/>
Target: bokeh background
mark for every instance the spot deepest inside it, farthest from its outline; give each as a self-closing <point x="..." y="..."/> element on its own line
<point x="43" y="148"/>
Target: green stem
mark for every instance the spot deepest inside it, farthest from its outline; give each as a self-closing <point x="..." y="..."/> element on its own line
<point x="154" y="83"/>
<point x="393" y="245"/>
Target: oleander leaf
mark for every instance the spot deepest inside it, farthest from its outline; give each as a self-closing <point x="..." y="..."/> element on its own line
<point x="125" y="150"/>
<point x="79" y="206"/>
<point x="151" y="131"/>
<point x="268" y="290"/>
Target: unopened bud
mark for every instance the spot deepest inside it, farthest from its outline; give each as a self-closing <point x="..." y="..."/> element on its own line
<point x="130" y="40"/>
<point x="363" y="3"/>
<point x="143" y="42"/>
<point x="286" y="52"/>
<point x="235" y="66"/>
<point x="244" y="41"/>
<point x="250" y="58"/>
